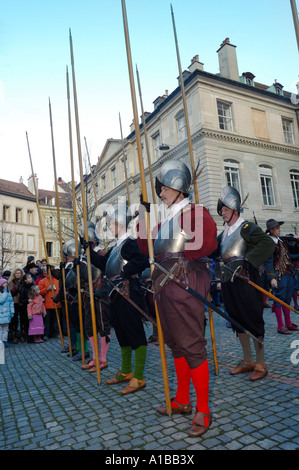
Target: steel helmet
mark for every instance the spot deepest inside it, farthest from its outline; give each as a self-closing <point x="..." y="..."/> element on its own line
<point x="121" y="215"/>
<point x="230" y="198"/>
<point x="69" y="247"/>
<point x="175" y="175"/>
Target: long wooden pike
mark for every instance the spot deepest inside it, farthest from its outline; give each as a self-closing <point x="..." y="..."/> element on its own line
<point x="75" y="221"/>
<point x="295" y="19"/>
<point x="235" y="273"/>
<point x="145" y="198"/>
<point x="95" y="192"/>
<point x="92" y="305"/>
<point x="59" y="230"/>
<point x="192" y="164"/>
<point x="125" y="165"/>
<point x="147" y="147"/>
<point x="44" y="241"/>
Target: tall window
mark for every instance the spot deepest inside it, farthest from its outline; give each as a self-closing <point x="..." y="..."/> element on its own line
<point x="181" y="126"/>
<point x="104" y="184"/>
<point x="30" y="217"/>
<point x="18" y="215"/>
<point x="295" y="186"/>
<point x="259" y="122"/>
<point x="49" y="222"/>
<point x="56" y="249"/>
<point x="113" y="177"/>
<point x="49" y="247"/>
<point x="30" y="242"/>
<point x="231" y="170"/>
<point x="6" y="241"/>
<point x="156" y="144"/>
<point x="19" y="241"/>
<point x="267" y="185"/>
<point x="5" y="213"/>
<point x="225" y="115"/>
<point x="288" y="132"/>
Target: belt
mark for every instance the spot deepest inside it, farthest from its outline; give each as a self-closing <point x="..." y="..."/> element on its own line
<point x="117" y="276"/>
<point x="233" y="258"/>
<point x="168" y="255"/>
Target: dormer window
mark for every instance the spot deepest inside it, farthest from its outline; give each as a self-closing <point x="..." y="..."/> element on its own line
<point x="248" y="78"/>
<point x="278" y="88"/>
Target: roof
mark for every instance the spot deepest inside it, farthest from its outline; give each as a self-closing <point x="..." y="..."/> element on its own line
<point x="45" y="196"/>
<point x="18" y="190"/>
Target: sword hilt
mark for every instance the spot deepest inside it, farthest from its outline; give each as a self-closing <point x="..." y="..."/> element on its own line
<point x="169" y="275"/>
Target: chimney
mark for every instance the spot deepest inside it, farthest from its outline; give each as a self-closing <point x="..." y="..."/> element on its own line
<point x="132" y="126"/>
<point x="31" y="184"/>
<point x="195" y="64"/>
<point x="21" y="180"/>
<point x="160" y="99"/>
<point x="228" y="63"/>
<point x="185" y="74"/>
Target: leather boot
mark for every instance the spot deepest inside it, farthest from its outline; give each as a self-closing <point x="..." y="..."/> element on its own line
<point x="185" y="409"/>
<point x="260" y="371"/>
<point x="198" y="427"/>
<point x="242" y="367"/>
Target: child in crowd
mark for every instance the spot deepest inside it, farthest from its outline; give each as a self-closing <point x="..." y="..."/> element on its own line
<point x="26" y="284"/>
<point x="14" y="287"/>
<point x="36" y="311"/>
<point x="6" y="310"/>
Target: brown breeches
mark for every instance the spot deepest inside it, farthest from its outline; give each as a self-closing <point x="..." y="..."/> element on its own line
<point x="182" y="317"/>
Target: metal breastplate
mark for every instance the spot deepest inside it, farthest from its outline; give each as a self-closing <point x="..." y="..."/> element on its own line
<point x="115" y="261"/>
<point x="171" y="237"/>
<point x="233" y="246"/>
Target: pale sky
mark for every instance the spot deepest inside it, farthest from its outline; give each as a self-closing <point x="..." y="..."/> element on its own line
<point x="35" y="51"/>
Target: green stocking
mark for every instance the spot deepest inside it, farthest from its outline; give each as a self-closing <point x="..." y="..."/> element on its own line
<point x="78" y="347"/>
<point x="140" y="356"/>
<point x="126" y="359"/>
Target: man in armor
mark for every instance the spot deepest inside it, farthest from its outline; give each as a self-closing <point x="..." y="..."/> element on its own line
<point x="185" y="236"/>
<point x="123" y="264"/>
<point x="102" y="311"/>
<point x="243" y="245"/>
<point x="69" y="251"/>
<point x="280" y="271"/>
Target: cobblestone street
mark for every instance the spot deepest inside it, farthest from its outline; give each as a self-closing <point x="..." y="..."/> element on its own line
<point x="49" y="403"/>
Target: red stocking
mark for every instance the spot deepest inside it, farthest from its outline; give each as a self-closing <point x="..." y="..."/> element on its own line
<point x="200" y="379"/>
<point x="183" y="382"/>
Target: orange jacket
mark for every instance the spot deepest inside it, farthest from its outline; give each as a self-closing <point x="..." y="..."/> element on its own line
<point x="47" y="294"/>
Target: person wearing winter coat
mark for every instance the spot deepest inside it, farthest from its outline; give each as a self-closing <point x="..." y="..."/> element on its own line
<point x="14" y="287"/>
<point x="6" y="310"/>
<point x="45" y="286"/>
<point x="36" y="312"/>
<point x="26" y="284"/>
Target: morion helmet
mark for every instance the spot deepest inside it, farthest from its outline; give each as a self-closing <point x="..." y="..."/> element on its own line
<point x="230" y="198"/>
<point x="175" y="175"/>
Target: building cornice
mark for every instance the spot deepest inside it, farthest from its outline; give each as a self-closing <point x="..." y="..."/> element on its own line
<point x="212" y="134"/>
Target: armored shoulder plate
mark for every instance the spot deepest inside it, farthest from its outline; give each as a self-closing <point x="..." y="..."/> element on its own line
<point x="171" y="237"/>
<point x="115" y="261"/>
<point x="233" y="246"/>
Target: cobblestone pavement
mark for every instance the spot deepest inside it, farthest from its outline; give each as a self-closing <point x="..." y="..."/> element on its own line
<point x="49" y="403"/>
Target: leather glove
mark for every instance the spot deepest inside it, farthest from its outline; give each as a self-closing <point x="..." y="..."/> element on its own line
<point x="76" y="262"/>
<point x="244" y="271"/>
<point x="123" y="275"/>
<point x="85" y="244"/>
<point x="147" y="205"/>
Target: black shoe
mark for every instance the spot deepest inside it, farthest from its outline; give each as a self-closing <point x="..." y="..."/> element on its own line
<point x="78" y="356"/>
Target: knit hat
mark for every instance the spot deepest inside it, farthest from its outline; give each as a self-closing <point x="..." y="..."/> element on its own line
<point x="2" y="281"/>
